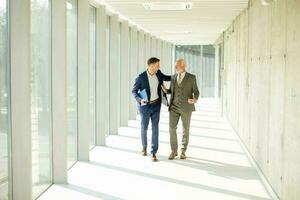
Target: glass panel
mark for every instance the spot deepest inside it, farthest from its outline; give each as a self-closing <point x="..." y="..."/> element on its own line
<point x="41" y="110"/>
<point x="204" y="55"/>
<point x="72" y="80"/>
<point x="92" y="71"/>
<point x="4" y="104"/>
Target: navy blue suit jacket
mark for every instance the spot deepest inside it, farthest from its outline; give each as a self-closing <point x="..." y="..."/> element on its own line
<point x="142" y="82"/>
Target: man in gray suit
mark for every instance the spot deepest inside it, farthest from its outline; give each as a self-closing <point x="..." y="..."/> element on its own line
<point x="184" y="94"/>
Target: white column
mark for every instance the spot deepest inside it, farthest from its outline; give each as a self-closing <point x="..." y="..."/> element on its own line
<point x="163" y="62"/>
<point x="114" y="97"/>
<point x="160" y="54"/>
<point x="133" y="70"/>
<point x="154" y="47"/>
<point x="102" y="71"/>
<point x="59" y="88"/>
<point x="142" y="60"/>
<point x="167" y="58"/>
<point x="147" y="46"/>
<point x="124" y="73"/>
<point x="173" y="59"/>
<point x="20" y="100"/>
<point x="83" y="81"/>
<point x="217" y="76"/>
<point x="159" y="49"/>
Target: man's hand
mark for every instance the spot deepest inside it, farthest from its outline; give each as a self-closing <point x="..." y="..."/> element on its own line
<point x="143" y="102"/>
<point x="164" y="89"/>
<point x="192" y="101"/>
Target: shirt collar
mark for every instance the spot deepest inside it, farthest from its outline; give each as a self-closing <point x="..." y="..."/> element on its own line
<point x="182" y="74"/>
<point x="149" y="73"/>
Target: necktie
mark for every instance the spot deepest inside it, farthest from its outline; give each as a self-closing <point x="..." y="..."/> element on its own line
<point x="179" y="78"/>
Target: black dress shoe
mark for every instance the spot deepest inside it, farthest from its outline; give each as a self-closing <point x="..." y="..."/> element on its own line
<point x="144" y="152"/>
<point x="154" y="158"/>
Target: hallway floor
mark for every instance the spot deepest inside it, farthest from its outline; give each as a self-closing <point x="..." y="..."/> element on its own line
<point x="216" y="168"/>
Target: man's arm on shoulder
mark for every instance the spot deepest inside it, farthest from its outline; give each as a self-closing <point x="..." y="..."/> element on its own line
<point x="166" y="90"/>
<point x="164" y="77"/>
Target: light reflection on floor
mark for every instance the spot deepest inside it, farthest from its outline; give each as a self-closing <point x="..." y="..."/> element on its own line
<point x="216" y="168"/>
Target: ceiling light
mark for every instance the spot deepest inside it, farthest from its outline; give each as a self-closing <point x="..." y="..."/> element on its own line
<point x="168" y="6"/>
<point x="177" y="32"/>
<point x="266" y="2"/>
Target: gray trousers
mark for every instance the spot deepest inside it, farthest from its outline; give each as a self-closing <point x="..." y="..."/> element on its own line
<point x="174" y="116"/>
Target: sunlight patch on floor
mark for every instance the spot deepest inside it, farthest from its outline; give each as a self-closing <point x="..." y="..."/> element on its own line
<point x="216" y="168"/>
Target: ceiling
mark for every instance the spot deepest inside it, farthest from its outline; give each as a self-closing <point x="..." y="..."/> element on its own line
<point x="203" y="24"/>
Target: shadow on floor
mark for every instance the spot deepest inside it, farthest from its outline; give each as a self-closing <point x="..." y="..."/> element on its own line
<point x="90" y="192"/>
<point x="220" y="169"/>
<point x="192" y="126"/>
<point x="194" y="135"/>
<point x="176" y="181"/>
<point x="190" y="146"/>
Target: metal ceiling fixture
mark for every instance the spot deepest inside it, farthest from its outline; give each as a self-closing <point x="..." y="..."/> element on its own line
<point x="267" y="2"/>
<point x="168" y="6"/>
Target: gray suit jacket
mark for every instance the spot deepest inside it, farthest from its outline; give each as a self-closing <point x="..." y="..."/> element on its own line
<point x="190" y="88"/>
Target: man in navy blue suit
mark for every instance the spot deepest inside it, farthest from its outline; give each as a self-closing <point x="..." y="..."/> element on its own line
<point x="150" y="80"/>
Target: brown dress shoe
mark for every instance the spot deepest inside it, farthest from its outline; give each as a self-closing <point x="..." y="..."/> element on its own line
<point x="173" y="155"/>
<point x="144" y="152"/>
<point x="182" y="155"/>
<point x="154" y="158"/>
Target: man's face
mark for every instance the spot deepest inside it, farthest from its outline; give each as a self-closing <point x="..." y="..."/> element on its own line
<point x="155" y="66"/>
<point x="180" y="66"/>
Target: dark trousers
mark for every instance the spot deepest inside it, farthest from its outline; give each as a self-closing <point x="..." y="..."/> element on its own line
<point x="147" y="112"/>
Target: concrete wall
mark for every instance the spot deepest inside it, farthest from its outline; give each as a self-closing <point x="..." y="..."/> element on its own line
<point x="261" y="89"/>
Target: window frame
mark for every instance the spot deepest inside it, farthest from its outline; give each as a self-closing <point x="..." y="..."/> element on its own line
<point x="70" y="165"/>
<point x="51" y="159"/>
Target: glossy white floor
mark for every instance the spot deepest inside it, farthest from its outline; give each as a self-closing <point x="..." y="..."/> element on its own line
<point x="216" y="168"/>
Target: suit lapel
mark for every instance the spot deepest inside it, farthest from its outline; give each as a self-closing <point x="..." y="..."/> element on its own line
<point x="147" y="84"/>
<point x="147" y="80"/>
<point x="185" y="78"/>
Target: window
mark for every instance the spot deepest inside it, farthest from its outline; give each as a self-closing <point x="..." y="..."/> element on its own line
<point x="92" y="75"/>
<point x="4" y="104"/>
<point x="72" y="70"/>
<point x="41" y="110"/>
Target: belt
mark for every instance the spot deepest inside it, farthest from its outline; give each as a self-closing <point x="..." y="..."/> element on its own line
<point x="154" y="101"/>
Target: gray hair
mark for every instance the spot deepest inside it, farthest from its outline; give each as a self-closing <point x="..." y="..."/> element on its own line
<point x="181" y="60"/>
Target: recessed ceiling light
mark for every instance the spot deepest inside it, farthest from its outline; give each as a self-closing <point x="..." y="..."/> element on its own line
<point x="168" y="6"/>
<point x="177" y="32"/>
<point x="266" y="2"/>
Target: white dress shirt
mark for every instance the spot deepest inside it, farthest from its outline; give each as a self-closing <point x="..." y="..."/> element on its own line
<point x="181" y="78"/>
<point x="153" y="83"/>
